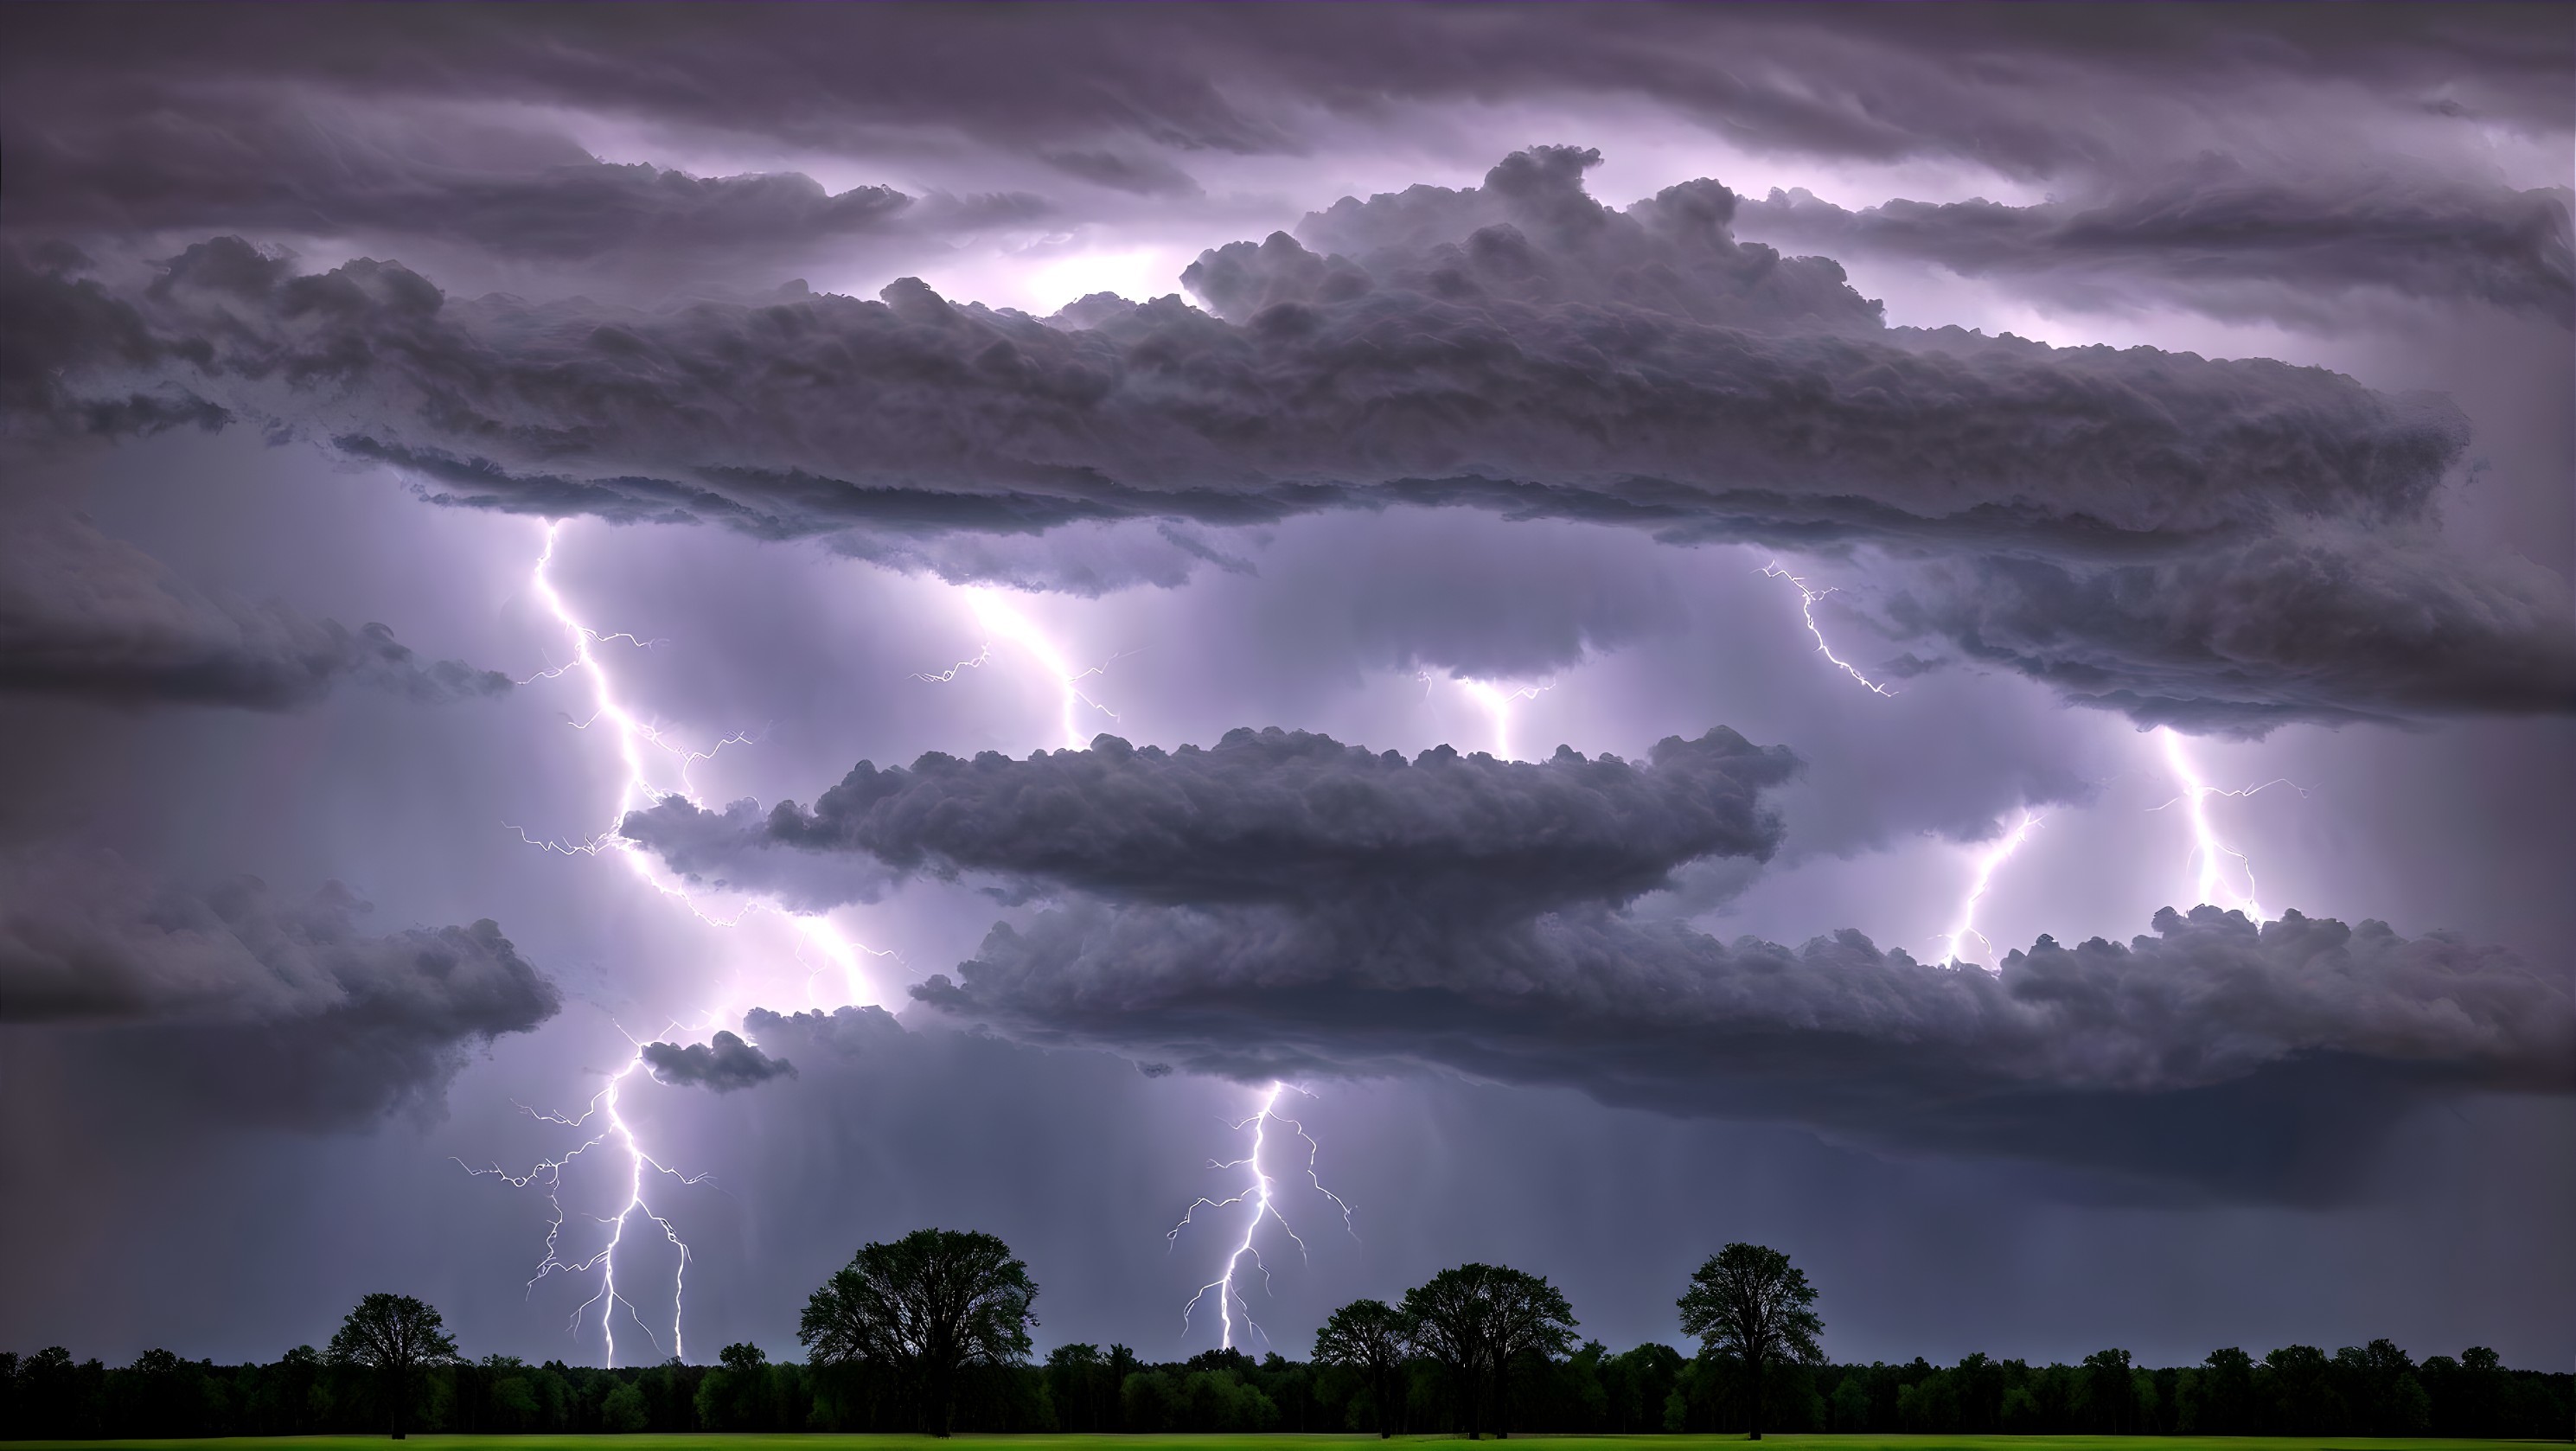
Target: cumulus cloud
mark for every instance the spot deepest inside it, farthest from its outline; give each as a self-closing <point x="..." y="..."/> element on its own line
<point x="2240" y="1058"/>
<point x="237" y="1002"/>
<point x="2226" y="239"/>
<point x="722" y="1063"/>
<point x="1282" y="905"/>
<point x="1265" y="816"/>
<point x="840" y="1033"/>
<point x="1515" y="347"/>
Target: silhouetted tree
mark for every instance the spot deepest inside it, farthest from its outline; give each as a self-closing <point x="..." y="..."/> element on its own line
<point x="1475" y="1318"/>
<point x="1444" y="1319"/>
<point x="1368" y="1336"/>
<point x="927" y="1305"/>
<point x="1751" y="1303"/>
<point x="1529" y="1317"/>
<point x="2226" y="1393"/>
<point x="395" y="1335"/>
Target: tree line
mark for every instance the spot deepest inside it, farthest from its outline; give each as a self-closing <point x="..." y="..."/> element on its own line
<point x="931" y="1332"/>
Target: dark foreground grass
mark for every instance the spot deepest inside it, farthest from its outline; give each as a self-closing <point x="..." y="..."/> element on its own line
<point x="1187" y="1441"/>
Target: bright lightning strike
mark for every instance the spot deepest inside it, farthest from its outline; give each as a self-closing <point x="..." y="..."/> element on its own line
<point x="999" y="619"/>
<point x="1495" y="701"/>
<point x="1261" y="1197"/>
<point x="1989" y="861"/>
<point x="2209" y="855"/>
<point x="637" y="746"/>
<point x="1807" y="607"/>
<point x="550" y="1172"/>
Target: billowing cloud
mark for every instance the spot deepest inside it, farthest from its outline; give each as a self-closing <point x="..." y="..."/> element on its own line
<point x="2241" y="1058"/>
<point x="1515" y="347"/>
<point x="722" y="1063"/>
<point x="2316" y="624"/>
<point x="1266" y="816"/>
<point x="2227" y="239"/>
<point x="235" y="1002"/>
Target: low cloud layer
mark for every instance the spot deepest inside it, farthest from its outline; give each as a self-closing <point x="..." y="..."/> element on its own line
<point x="723" y="1063"/>
<point x="2216" y="1054"/>
<point x="2225" y="239"/>
<point x="1284" y="906"/>
<point x="1262" y="816"/>
<point x="2323" y="624"/>
<point x="236" y="1003"/>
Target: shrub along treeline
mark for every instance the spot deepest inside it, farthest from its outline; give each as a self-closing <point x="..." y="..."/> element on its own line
<point x="2297" y="1390"/>
<point x="930" y="1332"/>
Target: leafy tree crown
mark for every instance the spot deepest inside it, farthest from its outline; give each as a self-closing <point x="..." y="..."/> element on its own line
<point x="935" y="1296"/>
<point x="392" y="1332"/>
<point x="1749" y="1301"/>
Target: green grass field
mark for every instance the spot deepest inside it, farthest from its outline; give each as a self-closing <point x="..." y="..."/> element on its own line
<point x="1181" y="1441"/>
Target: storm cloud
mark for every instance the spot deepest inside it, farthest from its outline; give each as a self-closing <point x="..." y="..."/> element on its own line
<point x="2227" y="240"/>
<point x="1284" y="906"/>
<point x="723" y="1063"/>
<point x="1262" y="816"/>
<point x="2219" y="1054"/>
<point x="88" y="617"/>
<point x="1516" y="347"/>
<point x="2317" y="624"/>
<point x="1163" y="86"/>
<point x="235" y="1003"/>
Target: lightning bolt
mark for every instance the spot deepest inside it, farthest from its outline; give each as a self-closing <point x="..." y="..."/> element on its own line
<point x="1989" y="860"/>
<point x="998" y="618"/>
<point x="1807" y="607"/>
<point x="1495" y="701"/>
<point x="637" y="746"/>
<point x="550" y="1173"/>
<point x="1260" y="1195"/>
<point x="2209" y="855"/>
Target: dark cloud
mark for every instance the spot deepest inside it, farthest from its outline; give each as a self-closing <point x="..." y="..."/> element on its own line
<point x="2031" y="90"/>
<point x="234" y="1004"/>
<point x="2241" y="1059"/>
<point x="1516" y="347"/>
<point x="723" y="1063"/>
<point x="1284" y="906"/>
<point x="2228" y="240"/>
<point x="455" y="190"/>
<point x="92" y="618"/>
<point x="1264" y="816"/>
<point x="2317" y="625"/>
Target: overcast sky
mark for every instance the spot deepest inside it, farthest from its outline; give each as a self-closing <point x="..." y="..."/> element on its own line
<point x="1940" y="638"/>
